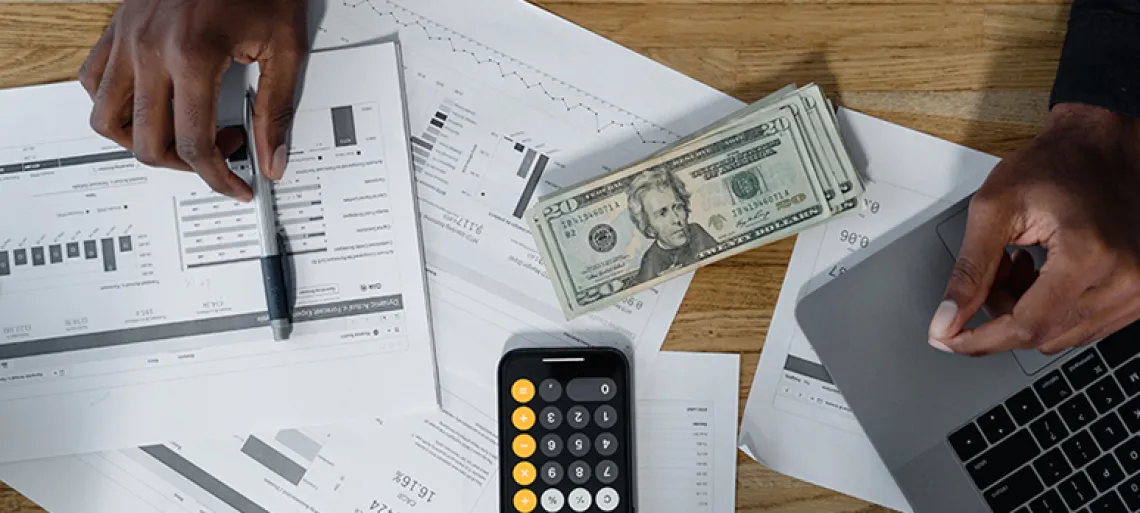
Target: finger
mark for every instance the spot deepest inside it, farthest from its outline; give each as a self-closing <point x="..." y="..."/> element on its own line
<point x="91" y="71"/>
<point x="229" y="140"/>
<point x="1046" y="308"/>
<point x="1022" y="272"/>
<point x="153" y="127"/>
<point x="274" y="107"/>
<point x="989" y="226"/>
<point x="111" y="114"/>
<point x="196" y="90"/>
<point x="1114" y="309"/>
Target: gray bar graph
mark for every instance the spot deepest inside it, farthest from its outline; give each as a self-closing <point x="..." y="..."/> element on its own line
<point x="202" y="479"/>
<point x="38" y="255"/>
<point x="219" y="231"/>
<point x="5" y="268"/>
<point x="125" y="245"/>
<point x="219" y="247"/>
<point x="72" y="250"/>
<point x="217" y="215"/>
<point x="20" y="256"/>
<point x="421" y="143"/>
<point x="273" y="460"/>
<point x="89" y="250"/>
<point x="299" y="188"/>
<point x="109" y="255"/>
<point x="298" y="204"/>
<point x="55" y="253"/>
<point x="344" y="128"/>
<point x="431" y="138"/>
<point x="297" y="441"/>
<point x="531" y="185"/>
<point x="205" y="201"/>
<point x="301" y="220"/>
<point x="528" y="160"/>
<point x="809" y="369"/>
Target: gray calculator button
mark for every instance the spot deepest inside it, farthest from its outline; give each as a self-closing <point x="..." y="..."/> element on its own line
<point x="578" y="417"/>
<point x="605" y="416"/>
<point x="578" y="472"/>
<point x="606" y="444"/>
<point x="607" y="500"/>
<point x="578" y="445"/>
<point x="585" y="390"/>
<point x="550" y="418"/>
<point x="550" y="390"/>
<point x="607" y="472"/>
<point x="551" y="445"/>
<point x="551" y="473"/>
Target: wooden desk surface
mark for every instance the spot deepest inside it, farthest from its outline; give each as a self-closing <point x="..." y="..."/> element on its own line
<point x="975" y="72"/>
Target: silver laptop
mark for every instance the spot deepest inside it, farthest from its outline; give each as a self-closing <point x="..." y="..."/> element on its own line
<point x="1007" y="433"/>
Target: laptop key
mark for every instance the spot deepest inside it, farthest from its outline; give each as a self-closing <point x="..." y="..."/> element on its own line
<point x="1080" y="449"/>
<point x="1049" y="430"/>
<point x="1003" y="458"/>
<point x="1105" y="394"/>
<point x="1048" y="502"/>
<point x="1084" y="369"/>
<point x="1077" y="490"/>
<point x="1119" y="347"/>
<point x="1107" y="503"/>
<point x="1130" y="492"/>
<point x="1108" y="431"/>
<point x="1024" y="406"/>
<point x="1105" y="473"/>
<point x="1129" y="377"/>
<point x="1130" y="412"/>
<point x="967" y="442"/>
<point x="1077" y="412"/>
<point x="1053" y="389"/>
<point x="1052" y="467"/>
<point x="996" y="424"/>
<point x="1129" y="456"/>
<point x="1013" y="491"/>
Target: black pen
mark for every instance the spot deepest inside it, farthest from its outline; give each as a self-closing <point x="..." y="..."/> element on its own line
<point x="272" y="261"/>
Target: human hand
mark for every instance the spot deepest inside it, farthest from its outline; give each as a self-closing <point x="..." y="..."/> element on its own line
<point x="156" y="73"/>
<point x="1074" y="191"/>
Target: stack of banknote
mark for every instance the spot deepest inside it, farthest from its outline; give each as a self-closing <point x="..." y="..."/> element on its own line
<point x="770" y="170"/>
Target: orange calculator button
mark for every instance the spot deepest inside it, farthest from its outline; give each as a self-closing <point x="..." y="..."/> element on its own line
<point x="525" y="473"/>
<point x="525" y="501"/>
<point x="523" y="446"/>
<point x="523" y="418"/>
<point x="523" y="390"/>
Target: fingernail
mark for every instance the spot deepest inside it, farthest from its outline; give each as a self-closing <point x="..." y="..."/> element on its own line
<point x="280" y="159"/>
<point x="943" y="316"/>
<point x="940" y="346"/>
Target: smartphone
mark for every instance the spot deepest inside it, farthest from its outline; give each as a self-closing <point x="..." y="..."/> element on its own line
<point x="566" y="425"/>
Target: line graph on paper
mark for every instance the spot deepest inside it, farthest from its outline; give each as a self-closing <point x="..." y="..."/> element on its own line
<point x="476" y="60"/>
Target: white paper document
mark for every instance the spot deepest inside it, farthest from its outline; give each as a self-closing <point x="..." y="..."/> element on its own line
<point x="500" y="114"/>
<point x="133" y="309"/>
<point x="444" y="462"/>
<point x="796" y="420"/>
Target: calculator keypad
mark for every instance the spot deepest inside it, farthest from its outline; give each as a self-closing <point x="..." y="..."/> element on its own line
<point x="567" y="457"/>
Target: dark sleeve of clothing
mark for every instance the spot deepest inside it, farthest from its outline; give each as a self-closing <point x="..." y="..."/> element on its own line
<point x="1100" y="60"/>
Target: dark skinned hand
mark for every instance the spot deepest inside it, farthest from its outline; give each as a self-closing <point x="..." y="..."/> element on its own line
<point x="1075" y="191"/>
<point x="156" y="73"/>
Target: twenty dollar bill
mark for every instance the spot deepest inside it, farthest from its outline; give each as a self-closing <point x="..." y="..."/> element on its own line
<point x="764" y="173"/>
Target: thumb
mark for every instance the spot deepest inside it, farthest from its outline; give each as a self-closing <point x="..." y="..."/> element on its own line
<point x="988" y="231"/>
<point x="274" y="109"/>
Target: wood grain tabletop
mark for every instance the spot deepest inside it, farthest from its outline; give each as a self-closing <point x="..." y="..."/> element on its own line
<point x="975" y="72"/>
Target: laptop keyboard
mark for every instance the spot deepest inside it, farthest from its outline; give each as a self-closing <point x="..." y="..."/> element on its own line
<point x="1067" y="443"/>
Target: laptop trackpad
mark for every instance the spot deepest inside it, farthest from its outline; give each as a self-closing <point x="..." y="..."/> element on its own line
<point x="952" y="231"/>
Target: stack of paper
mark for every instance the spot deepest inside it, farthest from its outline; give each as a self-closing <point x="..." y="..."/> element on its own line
<point x="136" y="370"/>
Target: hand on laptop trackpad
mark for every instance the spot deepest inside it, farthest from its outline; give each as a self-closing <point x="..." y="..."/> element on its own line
<point x="951" y="232"/>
